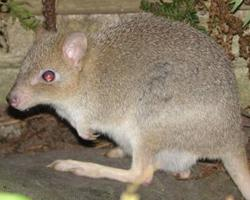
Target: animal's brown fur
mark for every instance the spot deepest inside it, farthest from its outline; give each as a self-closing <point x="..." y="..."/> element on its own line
<point x="163" y="91"/>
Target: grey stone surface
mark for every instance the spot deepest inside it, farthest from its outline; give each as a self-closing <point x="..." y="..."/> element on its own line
<point x="242" y="75"/>
<point x="7" y="78"/>
<point x="93" y="6"/>
<point x="87" y="6"/>
<point x="19" y="40"/>
<point x="27" y="174"/>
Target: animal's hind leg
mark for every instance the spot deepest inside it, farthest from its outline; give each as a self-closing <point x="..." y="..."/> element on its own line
<point x="141" y="171"/>
<point x="237" y="166"/>
<point x="183" y="175"/>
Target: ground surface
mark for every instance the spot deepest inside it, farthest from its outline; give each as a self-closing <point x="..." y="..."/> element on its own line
<point x="43" y="139"/>
<point x="27" y="174"/>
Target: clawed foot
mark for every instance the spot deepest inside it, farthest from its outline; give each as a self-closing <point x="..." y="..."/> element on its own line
<point x="184" y="175"/>
<point x="89" y="135"/>
<point x="115" y="153"/>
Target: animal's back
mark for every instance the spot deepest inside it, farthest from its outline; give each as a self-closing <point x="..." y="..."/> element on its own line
<point x="175" y="78"/>
<point x="153" y="49"/>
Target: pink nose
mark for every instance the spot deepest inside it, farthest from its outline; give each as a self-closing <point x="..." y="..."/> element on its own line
<point x="13" y="100"/>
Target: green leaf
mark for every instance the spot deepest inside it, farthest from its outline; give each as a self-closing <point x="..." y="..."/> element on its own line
<point x="12" y="196"/>
<point x="247" y="20"/>
<point x="236" y="4"/>
<point x="179" y="10"/>
<point x="27" y="20"/>
<point x="144" y="5"/>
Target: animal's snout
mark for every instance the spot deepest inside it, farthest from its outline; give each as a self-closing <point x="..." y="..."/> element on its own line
<point x="13" y="100"/>
<point x="19" y="98"/>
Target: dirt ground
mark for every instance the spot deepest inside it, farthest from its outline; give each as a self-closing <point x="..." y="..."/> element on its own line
<point x="39" y="131"/>
<point x="30" y="142"/>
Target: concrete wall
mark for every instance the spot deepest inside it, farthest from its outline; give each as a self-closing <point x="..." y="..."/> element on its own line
<point x="87" y="15"/>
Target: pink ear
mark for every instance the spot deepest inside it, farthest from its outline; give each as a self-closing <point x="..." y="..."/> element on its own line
<point x="74" y="47"/>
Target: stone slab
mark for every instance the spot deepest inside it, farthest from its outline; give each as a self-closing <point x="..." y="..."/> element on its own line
<point x="242" y="76"/>
<point x="7" y="78"/>
<point x="87" y="6"/>
<point x="27" y="174"/>
<point x="19" y="40"/>
<point x="92" y="6"/>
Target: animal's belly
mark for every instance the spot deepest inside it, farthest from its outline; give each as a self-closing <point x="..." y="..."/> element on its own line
<point x="123" y="141"/>
<point x="121" y="135"/>
<point x="174" y="160"/>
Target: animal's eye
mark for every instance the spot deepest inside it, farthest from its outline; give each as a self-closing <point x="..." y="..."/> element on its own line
<point x="48" y="76"/>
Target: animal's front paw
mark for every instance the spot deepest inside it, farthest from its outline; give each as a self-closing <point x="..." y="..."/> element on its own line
<point x="183" y="175"/>
<point x="89" y="135"/>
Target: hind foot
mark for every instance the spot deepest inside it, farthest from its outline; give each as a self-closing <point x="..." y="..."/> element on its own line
<point x="115" y="153"/>
<point x="183" y="175"/>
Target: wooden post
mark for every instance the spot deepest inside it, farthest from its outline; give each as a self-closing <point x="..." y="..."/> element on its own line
<point x="49" y="13"/>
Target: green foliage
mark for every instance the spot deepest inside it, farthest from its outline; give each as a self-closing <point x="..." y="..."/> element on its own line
<point x="12" y="196"/>
<point x="27" y="20"/>
<point x="178" y="10"/>
<point x="236" y="5"/>
<point x="247" y="20"/>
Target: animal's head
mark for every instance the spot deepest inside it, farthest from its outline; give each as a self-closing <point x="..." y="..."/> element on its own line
<point x="50" y="70"/>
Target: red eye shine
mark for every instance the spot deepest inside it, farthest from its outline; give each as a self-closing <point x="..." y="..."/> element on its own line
<point x="48" y="76"/>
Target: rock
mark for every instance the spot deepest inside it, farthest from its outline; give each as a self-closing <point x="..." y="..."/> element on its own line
<point x="28" y="175"/>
